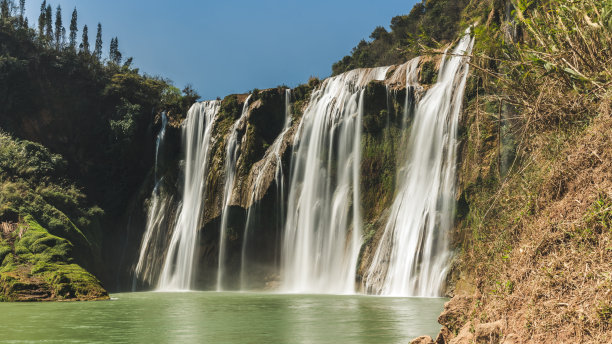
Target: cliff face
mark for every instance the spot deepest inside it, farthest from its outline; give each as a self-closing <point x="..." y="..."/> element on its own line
<point x="257" y="200"/>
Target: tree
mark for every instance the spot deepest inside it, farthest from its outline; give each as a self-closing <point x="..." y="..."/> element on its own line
<point x="98" y="48"/>
<point x="73" y="29"/>
<point x="85" y="42"/>
<point x="59" y="28"/>
<point x="49" y="23"/>
<point x="41" y="18"/>
<point x="5" y="11"/>
<point x="379" y="33"/>
<point x="114" y="54"/>
<point x="22" y="13"/>
<point x="113" y="48"/>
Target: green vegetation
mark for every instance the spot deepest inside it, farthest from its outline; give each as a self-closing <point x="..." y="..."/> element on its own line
<point x="53" y="94"/>
<point x="431" y="23"/>
<point x="48" y="231"/>
<point x="70" y="162"/>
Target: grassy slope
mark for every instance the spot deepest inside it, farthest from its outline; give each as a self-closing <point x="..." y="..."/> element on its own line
<point x="534" y="223"/>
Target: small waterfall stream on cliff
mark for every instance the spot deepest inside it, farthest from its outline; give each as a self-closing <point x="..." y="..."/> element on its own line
<point x="231" y="156"/>
<point x="412" y="256"/>
<point x="322" y="233"/>
<point x="273" y="159"/>
<point x="156" y="216"/>
<point x="178" y="265"/>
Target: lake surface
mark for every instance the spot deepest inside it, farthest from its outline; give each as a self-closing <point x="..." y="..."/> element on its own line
<point x="210" y="317"/>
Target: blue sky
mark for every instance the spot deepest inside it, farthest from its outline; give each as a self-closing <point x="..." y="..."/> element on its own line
<point x="231" y="46"/>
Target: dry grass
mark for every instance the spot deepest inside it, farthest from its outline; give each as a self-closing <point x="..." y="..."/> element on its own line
<point x="537" y="240"/>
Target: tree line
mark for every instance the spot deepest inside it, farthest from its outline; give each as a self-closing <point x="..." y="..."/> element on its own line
<point x="52" y="33"/>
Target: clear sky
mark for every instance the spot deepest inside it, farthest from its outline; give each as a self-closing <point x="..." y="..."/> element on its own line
<point x="231" y="46"/>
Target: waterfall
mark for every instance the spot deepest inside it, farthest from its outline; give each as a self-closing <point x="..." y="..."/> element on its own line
<point x="232" y="149"/>
<point x="322" y="233"/>
<point x="156" y="218"/>
<point x="319" y="222"/>
<point x="272" y="159"/>
<point x="178" y="265"/>
<point x="413" y="253"/>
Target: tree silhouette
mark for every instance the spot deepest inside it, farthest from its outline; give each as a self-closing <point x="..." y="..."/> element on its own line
<point x="22" y="13"/>
<point x="49" y="23"/>
<point x="41" y="18"/>
<point x="73" y="29"/>
<point x="114" y="54"/>
<point x="59" y="28"/>
<point x="85" y="42"/>
<point x="98" y="47"/>
<point x="5" y="10"/>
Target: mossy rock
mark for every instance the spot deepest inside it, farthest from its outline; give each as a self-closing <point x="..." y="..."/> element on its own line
<point x="429" y="73"/>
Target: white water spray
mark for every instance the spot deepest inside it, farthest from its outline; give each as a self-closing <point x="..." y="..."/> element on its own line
<point x="322" y="233"/>
<point x="232" y="149"/>
<point x="413" y="253"/>
<point x="156" y="217"/>
<point x="177" y="271"/>
<point x="272" y="159"/>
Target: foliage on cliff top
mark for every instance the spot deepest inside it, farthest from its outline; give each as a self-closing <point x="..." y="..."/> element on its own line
<point x="429" y="24"/>
<point x="88" y="109"/>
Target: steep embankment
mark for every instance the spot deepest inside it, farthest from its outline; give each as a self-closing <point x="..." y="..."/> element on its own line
<point x="533" y="228"/>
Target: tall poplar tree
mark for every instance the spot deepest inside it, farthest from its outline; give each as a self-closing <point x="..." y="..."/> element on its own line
<point x="21" y="13"/>
<point x="49" y="23"/>
<point x="59" y="28"/>
<point x="85" y="41"/>
<point x="41" y="19"/>
<point x="5" y="10"/>
<point x="98" y="47"/>
<point x="73" y="29"/>
<point x="114" y="54"/>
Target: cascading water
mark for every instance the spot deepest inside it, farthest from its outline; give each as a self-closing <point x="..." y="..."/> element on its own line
<point x="322" y="233"/>
<point x="271" y="159"/>
<point x="321" y="227"/>
<point x="231" y="156"/>
<point x="156" y="218"/>
<point x="178" y="265"/>
<point x="413" y="253"/>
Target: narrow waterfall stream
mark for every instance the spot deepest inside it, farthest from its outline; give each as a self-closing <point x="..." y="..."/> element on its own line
<point x="271" y="159"/>
<point x="322" y="233"/>
<point x="232" y="150"/>
<point x="178" y="266"/>
<point x="412" y="256"/>
<point x="150" y="247"/>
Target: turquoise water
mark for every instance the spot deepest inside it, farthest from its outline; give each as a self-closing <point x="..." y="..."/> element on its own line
<point x="210" y="317"/>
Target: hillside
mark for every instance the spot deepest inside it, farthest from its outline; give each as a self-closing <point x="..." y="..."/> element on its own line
<point x="69" y="122"/>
